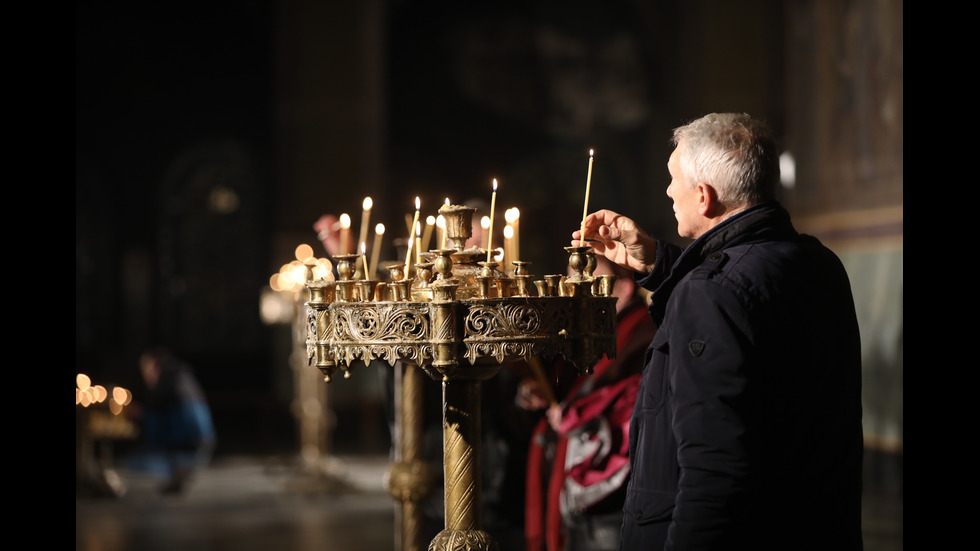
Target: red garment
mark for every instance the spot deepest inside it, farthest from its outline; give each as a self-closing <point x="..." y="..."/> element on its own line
<point x="612" y="402"/>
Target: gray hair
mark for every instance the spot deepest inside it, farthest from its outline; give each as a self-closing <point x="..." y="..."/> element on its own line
<point x="733" y="153"/>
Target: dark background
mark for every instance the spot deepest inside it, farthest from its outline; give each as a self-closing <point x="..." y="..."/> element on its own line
<point x="211" y="135"/>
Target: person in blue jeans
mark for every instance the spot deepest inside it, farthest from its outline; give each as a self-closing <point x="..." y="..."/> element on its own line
<point x="177" y="430"/>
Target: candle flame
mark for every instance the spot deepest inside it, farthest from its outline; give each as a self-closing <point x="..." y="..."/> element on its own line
<point x="418" y="203"/>
<point x="379" y="229"/>
<point x="345" y="220"/>
<point x="447" y="202"/>
<point x="363" y="247"/>
<point x="512" y="214"/>
<point x="367" y="204"/>
<point x="591" y="152"/>
<point x="495" y="184"/>
<point x="441" y="221"/>
<point x="485" y="222"/>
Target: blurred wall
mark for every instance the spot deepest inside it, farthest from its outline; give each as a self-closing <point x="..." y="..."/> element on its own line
<point x="209" y="138"/>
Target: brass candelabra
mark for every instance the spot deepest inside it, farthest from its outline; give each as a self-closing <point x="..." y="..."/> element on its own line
<point x="456" y="318"/>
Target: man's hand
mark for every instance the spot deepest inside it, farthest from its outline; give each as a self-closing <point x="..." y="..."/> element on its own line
<point x="619" y="239"/>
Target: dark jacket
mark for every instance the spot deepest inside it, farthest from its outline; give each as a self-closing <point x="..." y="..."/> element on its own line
<point x="746" y="433"/>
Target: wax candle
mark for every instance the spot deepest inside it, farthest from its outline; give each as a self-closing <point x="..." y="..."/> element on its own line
<point x="418" y="242"/>
<point x="379" y="232"/>
<point x="441" y="231"/>
<point x="513" y="217"/>
<point x="411" y="237"/>
<point x="508" y="247"/>
<point x="493" y="206"/>
<point x="365" y="218"/>
<point x="430" y="222"/>
<point x="364" y="260"/>
<point x="485" y="224"/>
<point x="344" y="232"/>
<point x="585" y="209"/>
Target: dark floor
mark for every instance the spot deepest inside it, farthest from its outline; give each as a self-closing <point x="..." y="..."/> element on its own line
<point x="253" y="503"/>
<point x="244" y="504"/>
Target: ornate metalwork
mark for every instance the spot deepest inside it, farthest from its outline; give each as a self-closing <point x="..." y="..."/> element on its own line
<point x="458" y="320"/>
<point x="463" y="540"/>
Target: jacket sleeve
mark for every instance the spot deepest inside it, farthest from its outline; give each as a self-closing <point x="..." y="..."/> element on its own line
<point x="667" y="254"/>
<point x="709" y="355"/>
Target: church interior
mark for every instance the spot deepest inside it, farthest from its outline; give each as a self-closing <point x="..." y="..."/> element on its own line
<point x="212" y="136"/>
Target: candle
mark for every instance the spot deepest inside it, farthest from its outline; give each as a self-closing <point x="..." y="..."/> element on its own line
<point x="364" y="259"/>
<point x="508" y="247"/>
<point x="538" y="369"/>
<point x="493" y="205"/>
<point x="585" y="209"/>
<point x="444" y="242"/>
<point x="344" y="232"/>
<point x="418" y="242"/>
<point x="513" y="217"/>
<point x="411" y="237"/>
<point x="441" y="231"/>
<point x="485" y="224"/>
<point x="379" y="231"/>
<point x="430" y="222"/>
<point x="365" y="217"/>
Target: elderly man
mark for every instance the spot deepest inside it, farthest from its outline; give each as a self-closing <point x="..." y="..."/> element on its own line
<point x="746" y="433"/>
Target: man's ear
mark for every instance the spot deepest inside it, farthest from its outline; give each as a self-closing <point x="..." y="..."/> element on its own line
<point x="707" y="200"/>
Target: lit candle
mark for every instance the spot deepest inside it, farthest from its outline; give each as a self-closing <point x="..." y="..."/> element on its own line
<point x="379" y="231"/>
<point x="364" y="259"/>
<point x="344" y="232"/>
<point x="493" y="205"/>
<point x="411" y="237"/>
<point x="441" y="231"/>
<point x="508" y="247"/>
<point x="444" y="242"/>
<point x="485" y="224"/>
<point x="513" y="217"/>
<point x="418" y="242"/>
<point x="430" y="222"/>
<point x="585" y="209"/>
<point x="365" y="217"/>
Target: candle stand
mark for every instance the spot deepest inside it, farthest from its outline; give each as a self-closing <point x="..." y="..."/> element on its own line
<point x="456" y="320"/>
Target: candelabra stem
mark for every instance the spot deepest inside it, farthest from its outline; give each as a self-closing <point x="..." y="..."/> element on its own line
<point x="461" y="445"/>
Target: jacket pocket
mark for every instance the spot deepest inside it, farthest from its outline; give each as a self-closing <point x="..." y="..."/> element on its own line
<point x="654" y="388"/>
<point x="646" y="506"/>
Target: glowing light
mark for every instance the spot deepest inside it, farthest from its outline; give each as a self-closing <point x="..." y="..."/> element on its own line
<point x="304" y="252"/>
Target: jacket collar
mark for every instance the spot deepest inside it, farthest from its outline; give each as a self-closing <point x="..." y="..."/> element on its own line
<point x="765" y="221"/>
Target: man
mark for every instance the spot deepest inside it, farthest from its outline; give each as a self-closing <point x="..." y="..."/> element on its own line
<point x="746" y="433"/>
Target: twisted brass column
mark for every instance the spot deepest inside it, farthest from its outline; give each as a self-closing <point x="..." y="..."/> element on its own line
<point x="461" y="426"/>
<point x="461" y="441"/>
